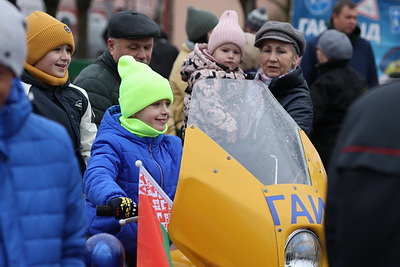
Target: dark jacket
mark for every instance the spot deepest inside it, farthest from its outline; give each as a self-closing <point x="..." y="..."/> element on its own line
<point x="67" y="105"/>
<point x="292" y="93"/>
<point x="42" y="219"/>
<point x="361" y="217"/>
<point x="112" y="172"/>
<point x="363" y="59"/>
<point x="101" y="81"/>
<point x="163" y="55"/>
<point x="332" y="93"/>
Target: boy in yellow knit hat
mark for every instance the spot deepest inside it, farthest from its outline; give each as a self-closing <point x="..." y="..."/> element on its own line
<point x="131" y="131"/>
<point x="50" y="45"/>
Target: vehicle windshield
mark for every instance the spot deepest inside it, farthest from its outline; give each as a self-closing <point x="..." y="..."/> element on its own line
<point x="245" y="119"/>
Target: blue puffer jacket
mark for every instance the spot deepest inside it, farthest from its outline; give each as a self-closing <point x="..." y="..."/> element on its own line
<point x="112" y="172"/>
<point x="42" y="219"/>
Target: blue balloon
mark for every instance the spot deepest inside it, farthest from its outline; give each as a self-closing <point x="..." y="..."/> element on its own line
<point x="104" y="250"/>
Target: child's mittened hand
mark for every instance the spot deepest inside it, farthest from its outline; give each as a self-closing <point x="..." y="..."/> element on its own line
<point x="123" y="207"/>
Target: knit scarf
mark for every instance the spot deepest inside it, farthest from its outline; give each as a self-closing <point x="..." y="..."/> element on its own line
<point x="267" y="80"/>
<point x="139" y="128"/>
<point x="45" y="77"/>
<point x="264" y="78"/>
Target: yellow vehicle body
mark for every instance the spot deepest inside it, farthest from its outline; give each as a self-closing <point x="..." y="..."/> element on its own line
<point x="224" y="216"/>
<point x="255" y="200"/>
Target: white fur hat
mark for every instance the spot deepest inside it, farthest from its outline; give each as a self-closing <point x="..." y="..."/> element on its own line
<point x="12" y="37"/>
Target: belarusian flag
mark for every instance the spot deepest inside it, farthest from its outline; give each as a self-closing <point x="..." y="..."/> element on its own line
<point x="154" y="213"/>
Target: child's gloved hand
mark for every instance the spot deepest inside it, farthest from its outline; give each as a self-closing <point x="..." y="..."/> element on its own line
<point x="123" y="207"/>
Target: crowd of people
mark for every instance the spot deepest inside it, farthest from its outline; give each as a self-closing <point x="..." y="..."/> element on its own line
<point x="67" y="147"/>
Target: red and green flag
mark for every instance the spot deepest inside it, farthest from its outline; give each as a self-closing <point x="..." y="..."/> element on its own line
<point x="154" y="213"/>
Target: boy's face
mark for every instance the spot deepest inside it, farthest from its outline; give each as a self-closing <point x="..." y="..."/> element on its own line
<point x="141" y="48"/>
<point x="155" y="115"/>
<point x="56" y="62"/>
<point x="228" y="55"/>
<point x="6" y="77"/>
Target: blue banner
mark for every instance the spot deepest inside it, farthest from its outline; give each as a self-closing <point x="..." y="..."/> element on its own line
<point x="379" y="23"/>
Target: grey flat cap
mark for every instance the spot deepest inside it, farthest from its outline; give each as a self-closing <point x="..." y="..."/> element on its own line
<point x="282" y="31"/>
<point x="132" y="24"/>
<point x="335" y="45"/>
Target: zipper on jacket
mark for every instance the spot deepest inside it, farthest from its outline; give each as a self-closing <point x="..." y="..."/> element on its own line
<point x="71" y="119"/>
<point x="159" y="167"/>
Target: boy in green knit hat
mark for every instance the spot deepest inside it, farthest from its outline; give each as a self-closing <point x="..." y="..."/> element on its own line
<point x="131" y="131"/>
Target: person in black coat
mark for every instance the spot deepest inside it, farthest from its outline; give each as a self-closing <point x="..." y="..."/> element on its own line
<point x="164" y="55"/>
<point x="361" y="218"/>
<point x="281" y="47"/>
<point x="334" y="91"/>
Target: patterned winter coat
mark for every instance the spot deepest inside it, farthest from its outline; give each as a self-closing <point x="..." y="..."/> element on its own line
<point x="200" y="65"/>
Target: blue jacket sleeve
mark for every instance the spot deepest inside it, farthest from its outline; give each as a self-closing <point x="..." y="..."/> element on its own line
<point x="75" y="223"/>
<point x="102" y="171"/>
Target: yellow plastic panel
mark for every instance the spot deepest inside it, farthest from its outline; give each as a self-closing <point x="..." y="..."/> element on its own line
<point x="220" y="216"/>
<point x="319" y="178"/>
<point x="295" y="206"/>
<point x="315" y="166"/>
<point x="180" y="260"/>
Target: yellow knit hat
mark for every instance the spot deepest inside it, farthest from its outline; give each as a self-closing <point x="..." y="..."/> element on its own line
<point x="44" y="34"/>
<point x="140" y="86"/>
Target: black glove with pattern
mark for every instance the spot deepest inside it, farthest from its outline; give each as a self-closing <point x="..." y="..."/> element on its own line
<point x="123" y="207"/>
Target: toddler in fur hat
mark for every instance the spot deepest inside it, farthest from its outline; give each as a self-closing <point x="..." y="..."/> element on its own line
<point x="50" y="45"/>
<point x="220" y="58"/>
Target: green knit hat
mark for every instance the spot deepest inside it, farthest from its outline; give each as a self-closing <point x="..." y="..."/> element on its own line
<point x="199" y="22"/>
<point x="140" y="86"/>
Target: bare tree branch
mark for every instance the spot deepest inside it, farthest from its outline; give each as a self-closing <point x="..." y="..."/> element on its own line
<point x="82" y="47"/>
<point x="247" y="6"/>
<point x="51" y="7"/>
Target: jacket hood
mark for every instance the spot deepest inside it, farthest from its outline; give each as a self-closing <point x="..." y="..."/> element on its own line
<point x="15" y="110"/>
<point x="197" y="60"/>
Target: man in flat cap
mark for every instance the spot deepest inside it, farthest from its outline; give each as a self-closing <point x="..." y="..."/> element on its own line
<point x="130" y="33"/>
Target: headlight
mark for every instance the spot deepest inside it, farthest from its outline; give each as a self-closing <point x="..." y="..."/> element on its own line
<point x="303" y="249"/>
